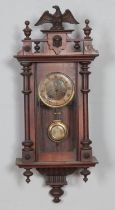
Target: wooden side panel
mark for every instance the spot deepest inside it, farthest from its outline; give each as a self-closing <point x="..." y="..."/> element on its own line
<point x="80" y="111"/>
<point x="32" y="106"/>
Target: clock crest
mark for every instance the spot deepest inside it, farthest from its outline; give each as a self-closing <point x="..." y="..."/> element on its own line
<point x="56" y="87"/>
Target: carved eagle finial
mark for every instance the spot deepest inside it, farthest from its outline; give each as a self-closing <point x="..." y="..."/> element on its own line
<point x="57" y="18"/>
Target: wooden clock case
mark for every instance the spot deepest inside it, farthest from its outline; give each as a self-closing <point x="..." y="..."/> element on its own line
<point x="56" y="52"/>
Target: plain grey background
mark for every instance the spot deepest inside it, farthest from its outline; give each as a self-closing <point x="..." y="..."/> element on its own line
<point x="98" y="193"/>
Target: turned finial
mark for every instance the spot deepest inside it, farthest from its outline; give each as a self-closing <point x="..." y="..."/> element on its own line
<point x="87" y="30"/>
<point x="27" y="30"/>
<point x="37" y="47"/>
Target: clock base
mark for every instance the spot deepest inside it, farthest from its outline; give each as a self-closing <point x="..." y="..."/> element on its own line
<point x="56" y="172"/>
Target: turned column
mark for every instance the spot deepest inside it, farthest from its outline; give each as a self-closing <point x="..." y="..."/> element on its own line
<point x="86" y="151"/>
<point x="27" y="152"/>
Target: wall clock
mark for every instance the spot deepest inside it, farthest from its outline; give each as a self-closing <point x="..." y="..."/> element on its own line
<point x="56" y="86"/>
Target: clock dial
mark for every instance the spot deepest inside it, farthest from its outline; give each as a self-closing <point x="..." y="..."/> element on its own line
<point x="56" y="90"/>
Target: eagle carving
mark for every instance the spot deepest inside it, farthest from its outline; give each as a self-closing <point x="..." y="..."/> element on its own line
<point x="57" y="18"/>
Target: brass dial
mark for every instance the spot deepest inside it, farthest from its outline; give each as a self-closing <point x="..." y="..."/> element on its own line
<point x="57" y="131"/>
<point x="56" y="90"/>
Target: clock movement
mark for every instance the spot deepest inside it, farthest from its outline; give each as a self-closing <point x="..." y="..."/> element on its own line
<point x="55" y="87"/>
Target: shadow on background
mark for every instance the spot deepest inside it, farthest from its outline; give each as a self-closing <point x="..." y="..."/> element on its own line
<point x="19" y="119"/>
<point x="97" y="111"/>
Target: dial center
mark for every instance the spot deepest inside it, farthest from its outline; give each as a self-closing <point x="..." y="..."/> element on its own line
<point x="56" y="89"/>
